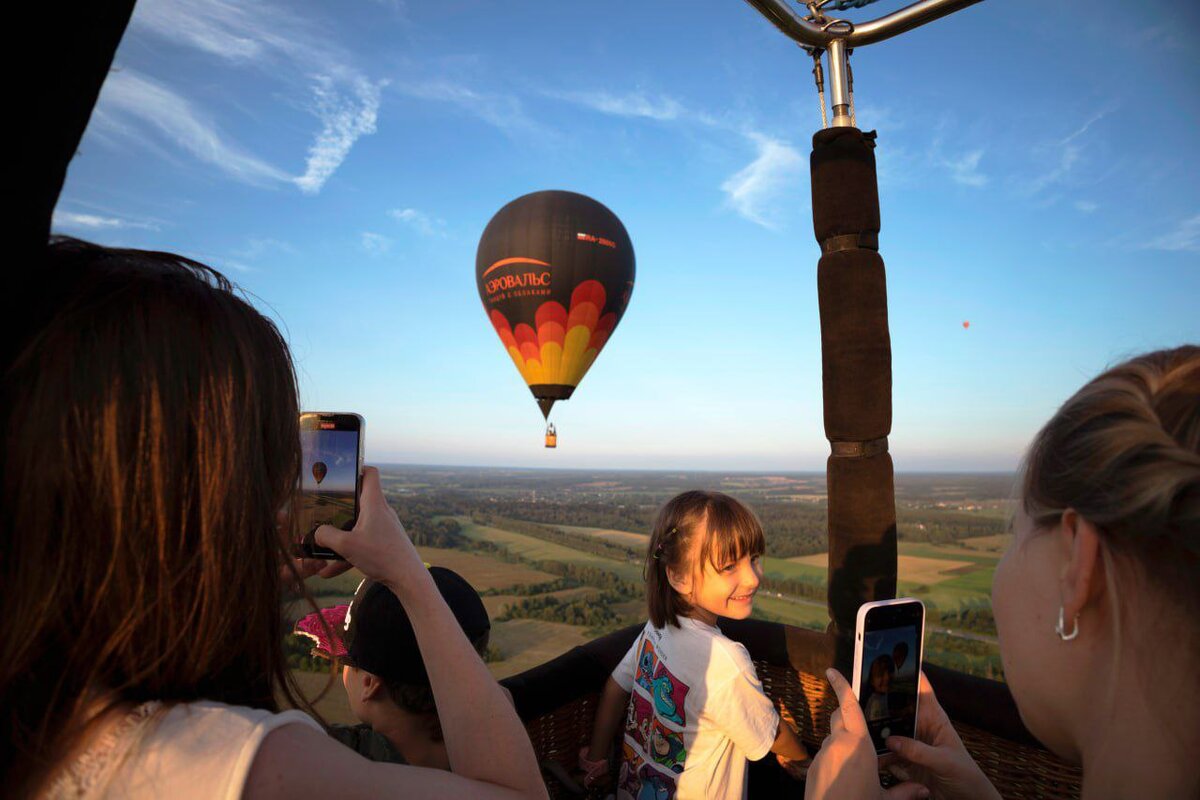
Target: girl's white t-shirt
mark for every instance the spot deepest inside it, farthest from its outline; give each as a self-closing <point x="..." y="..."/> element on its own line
<point x="696" y="713"/>
<point x="190" y="751"/>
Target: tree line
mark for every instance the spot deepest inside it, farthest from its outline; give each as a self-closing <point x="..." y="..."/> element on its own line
<point x="793" y="529"/>
<point x="590" y="612"/>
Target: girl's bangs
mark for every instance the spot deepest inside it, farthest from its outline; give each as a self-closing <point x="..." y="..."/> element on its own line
<point x="732" y="532"/>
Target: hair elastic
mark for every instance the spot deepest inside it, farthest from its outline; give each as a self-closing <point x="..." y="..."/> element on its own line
<point x="658" y="549"/>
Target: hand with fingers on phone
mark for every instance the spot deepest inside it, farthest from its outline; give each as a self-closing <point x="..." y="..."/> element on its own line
<point x="298" y="569"/>
<point x="847" y="768"/>
<point x="378" y="544"/>
<point x="937" y="758"/>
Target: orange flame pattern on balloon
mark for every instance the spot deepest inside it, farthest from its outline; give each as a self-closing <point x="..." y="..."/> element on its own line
<point x="565" y="342"/>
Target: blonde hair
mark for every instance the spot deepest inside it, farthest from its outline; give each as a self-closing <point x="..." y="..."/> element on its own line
<point x="1124" y="452"/>
<point x="730" y="531"/>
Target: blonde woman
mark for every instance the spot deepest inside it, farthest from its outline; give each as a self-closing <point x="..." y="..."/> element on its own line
<point x="1097" y="605"/>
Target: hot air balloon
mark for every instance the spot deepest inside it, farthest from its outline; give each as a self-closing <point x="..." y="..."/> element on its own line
<point x="318" y="471"/>
<point x="966" y="324"/>
<point x="555" y="272"/>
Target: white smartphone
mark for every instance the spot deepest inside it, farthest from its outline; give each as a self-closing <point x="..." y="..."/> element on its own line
<point x="889" y="641"/>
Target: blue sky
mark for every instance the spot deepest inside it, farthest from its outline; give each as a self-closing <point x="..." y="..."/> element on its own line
<point x="1038" y="178"/>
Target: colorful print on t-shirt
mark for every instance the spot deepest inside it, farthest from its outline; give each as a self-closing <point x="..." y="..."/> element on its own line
<point x="696" y="714"/>
<point x="667" y="690"/>
<point x="666" y="747"/>
<point x="627" y="779"/>
<point x="654" y="785"/>
<point x="647" y="661"/>
<point x="669" y="694"/>
<point x="638" y="721"/>
<point x="655" y="711"/>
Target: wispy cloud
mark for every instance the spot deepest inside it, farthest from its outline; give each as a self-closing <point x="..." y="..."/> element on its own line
<point x="1086" y="206"/>
<point x="375" y="244"/>
<point x="631" y="104"/>
<point x="344" y="120"/>
<point x="502" y="111"/>
<point x="70" y="220"/>
<point x="964" y="169"/>
<point x="134" y="105"/>
<point x="232" y="31"/>
<point x="419" y="221"/>
<point x="754" y="191"/>
<point x="1183" y="238"/>
<point x="1065" y="154"/>
<point x="344" y="100"/>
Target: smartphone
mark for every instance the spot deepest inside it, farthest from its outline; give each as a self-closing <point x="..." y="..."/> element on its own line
<point x="889" y="640"/>
<point x="331" y="445"/>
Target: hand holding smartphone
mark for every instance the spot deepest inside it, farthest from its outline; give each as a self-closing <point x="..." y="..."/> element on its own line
<point x="331" y="445"/>
<point x="889" y="641"/>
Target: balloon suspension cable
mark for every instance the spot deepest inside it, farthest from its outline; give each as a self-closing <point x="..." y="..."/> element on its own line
<point x="819" y="78"/>
<point x="850" y="86"/>
<point x="841" y="84"/>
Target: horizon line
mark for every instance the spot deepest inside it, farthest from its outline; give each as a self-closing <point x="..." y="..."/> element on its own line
<point x="665" y="470"/>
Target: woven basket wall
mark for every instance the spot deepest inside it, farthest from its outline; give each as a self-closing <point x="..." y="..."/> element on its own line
<point x="1017" y="770"/>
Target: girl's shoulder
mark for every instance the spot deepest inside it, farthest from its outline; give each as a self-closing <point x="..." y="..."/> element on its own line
<point x="734" y="654"/>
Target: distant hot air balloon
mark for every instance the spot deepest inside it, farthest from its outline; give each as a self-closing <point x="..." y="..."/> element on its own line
<point x="555" y="272"/>
<point x="966" y="324"/>
<point x="318" y="470"/>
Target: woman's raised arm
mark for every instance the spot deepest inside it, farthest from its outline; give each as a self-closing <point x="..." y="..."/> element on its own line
<point x="489" y="750"/>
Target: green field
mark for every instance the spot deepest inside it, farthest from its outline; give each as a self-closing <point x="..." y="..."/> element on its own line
<point x="945" y="576"/>
<point x="528" y="547"/>
<point x="634" y="541"/>
<point x="525" y="643"/>
<point x="802" y="615"/>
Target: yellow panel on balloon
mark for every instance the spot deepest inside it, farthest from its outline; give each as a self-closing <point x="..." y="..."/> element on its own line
<point x="573" y="351"/>
<point x="552" y="362"/>
<point x="589" y="358"/>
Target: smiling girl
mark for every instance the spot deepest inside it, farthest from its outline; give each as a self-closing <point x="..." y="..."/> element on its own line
<point x="692" y="706"/>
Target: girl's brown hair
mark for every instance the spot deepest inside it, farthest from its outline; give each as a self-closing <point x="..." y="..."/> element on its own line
<point x="1124" y="452"/>
<point x="729" y="531"/>
<point x="151" y="438"/>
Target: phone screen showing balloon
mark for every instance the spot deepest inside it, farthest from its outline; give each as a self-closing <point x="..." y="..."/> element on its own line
<point x="331" y="465"/>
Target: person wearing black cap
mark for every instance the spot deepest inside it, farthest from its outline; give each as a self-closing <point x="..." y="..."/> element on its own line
<point x="384" y="674"/>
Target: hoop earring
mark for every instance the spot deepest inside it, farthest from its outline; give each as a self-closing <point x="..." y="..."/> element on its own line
<point x="1066" y="637"/>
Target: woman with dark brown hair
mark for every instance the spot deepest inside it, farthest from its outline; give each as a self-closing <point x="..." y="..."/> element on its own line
<point x="150" y="440"/>
<point x="1097" y="605"/>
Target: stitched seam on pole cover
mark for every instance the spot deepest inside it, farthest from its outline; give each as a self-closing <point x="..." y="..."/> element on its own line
<point x="872" y="447"/>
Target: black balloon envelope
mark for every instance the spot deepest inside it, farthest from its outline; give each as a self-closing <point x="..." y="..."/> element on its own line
<point x="555" y="272"/>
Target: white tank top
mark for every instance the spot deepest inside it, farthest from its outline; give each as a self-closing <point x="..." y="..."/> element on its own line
<point x="191" y="751"/>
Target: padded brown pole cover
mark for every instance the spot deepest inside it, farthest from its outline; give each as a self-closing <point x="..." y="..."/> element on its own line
<point x="856" y="360"/>
<point x="856" y="351"/>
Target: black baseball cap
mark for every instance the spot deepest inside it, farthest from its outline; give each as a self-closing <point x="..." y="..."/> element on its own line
<point x="379" y="636"/>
